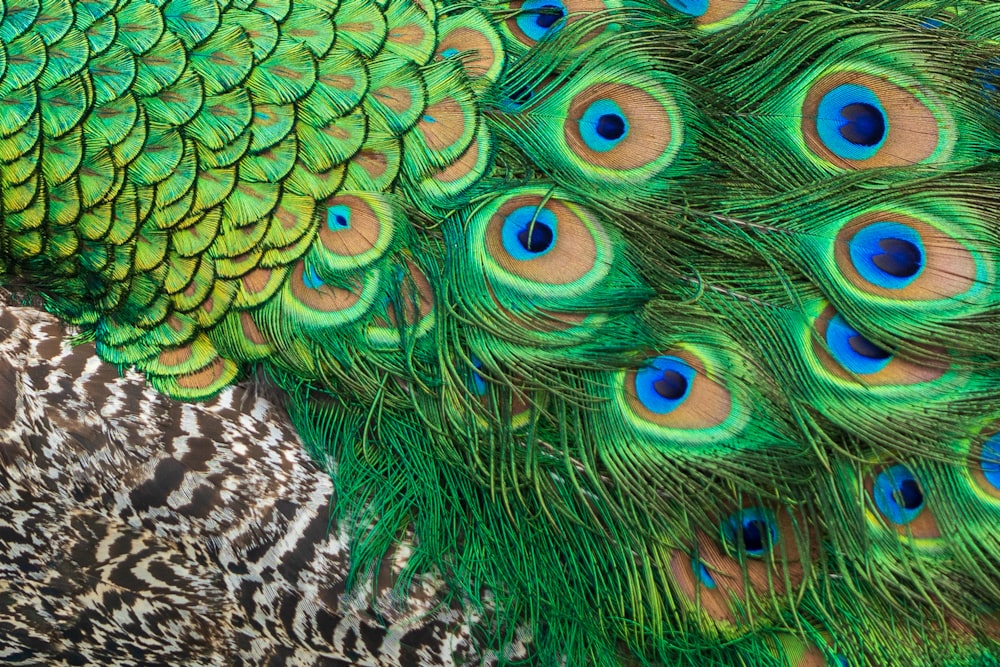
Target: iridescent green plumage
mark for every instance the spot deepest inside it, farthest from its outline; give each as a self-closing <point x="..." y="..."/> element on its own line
<point x="669" y="324"/>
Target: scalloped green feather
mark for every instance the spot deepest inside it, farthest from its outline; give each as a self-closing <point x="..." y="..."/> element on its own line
<point x="396" y="96"/>
<point x="341" y="83"/>
<point x="271" y="124"/>
<point x="223" y="60"/>
<point x="191" y="20"/>
<point x="140" y="26"/>
<point x="285" y="76"/>
<point x="161" y="66"/>
<point x="361" y="25"/>
<point x="17" y="17"/>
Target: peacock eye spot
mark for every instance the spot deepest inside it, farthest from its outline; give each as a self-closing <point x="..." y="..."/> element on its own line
<point x="478" y="382"/>
<point x="898" y="495"/>
<point x="338" y="217"/>
<point x="529" y="232"/>
<point x="311" y="279"/>
<point x="536" y="237"/>
<point x="519" y="98"/>
<point x="851" y="122"/>
<point x="852" y="350"/>
<point x="887" y="254"/>
<point x="664" y="384"/>
<point x="754" y="527"/>
<point x="538" y="18"/>
<point x="690" y="7"/>
<point x="611" y="126"/>
<point x="672" y="385"/>
<point x="603" y="125"/>
<point x="865" y="124"/>
<point x="989" y="461"/>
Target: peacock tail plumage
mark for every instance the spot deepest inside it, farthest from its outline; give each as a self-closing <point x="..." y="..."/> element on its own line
<point x="662" y="331"/>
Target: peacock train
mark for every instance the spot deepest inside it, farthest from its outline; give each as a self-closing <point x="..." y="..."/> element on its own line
<point x="513" y="332"/>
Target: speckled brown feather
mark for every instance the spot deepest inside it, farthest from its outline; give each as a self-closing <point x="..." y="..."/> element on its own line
<point x="138" y="529"/>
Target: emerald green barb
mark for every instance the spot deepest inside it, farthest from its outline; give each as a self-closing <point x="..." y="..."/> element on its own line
<point x="672" y="325"/>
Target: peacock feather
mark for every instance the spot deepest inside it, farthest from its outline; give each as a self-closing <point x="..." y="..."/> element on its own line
<point x="654" y="332"/>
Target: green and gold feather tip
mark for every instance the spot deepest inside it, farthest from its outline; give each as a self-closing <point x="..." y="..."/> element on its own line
<point x="661" y="332"/>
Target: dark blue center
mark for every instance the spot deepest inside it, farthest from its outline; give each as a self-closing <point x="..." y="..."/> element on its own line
<point x="521" y="96"/>
<point x="611" y="126"/>
<point x="900" y="258"/>
<point x="672" y="385"/>
<point x="536" y="237"/>
<point x="865" y="124"/>
<point x="909" y="495"/>
<point x="866" y="348"/>
<point x="548" y="15"/>
<point x="756" y="528"/>
<point x="753" y="535"/>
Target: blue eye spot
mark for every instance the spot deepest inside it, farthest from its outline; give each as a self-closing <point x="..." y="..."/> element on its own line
<point x="852" y="350"/>
<point x="664" y="384"/>
<point x="690" y="7"/>
<point x="338" y="217"/>
<point x="529" y="232"/>
<point x="603" y="125"/>
<point x="897" y="495"/>
<point x="704" y="576"/>
<point x="311" y="279"/>
<point x="989" y="78"/>
<point x="990" y="461"/>
<point x="539" y="17"/>
<point x="755" y="527"/>
<point x="851" y="122"/>
<point x="478" y="383"/>
<point x="888" y="254"/>
<point x="449" y="53"/>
